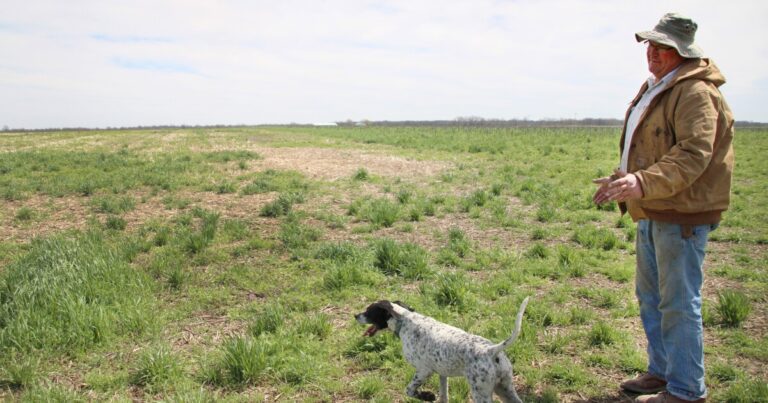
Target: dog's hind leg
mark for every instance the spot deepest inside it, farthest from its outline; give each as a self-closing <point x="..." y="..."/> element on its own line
<point x="506" y="391"/>
<point x="481" y="388"/>
<point x="418" y="380"/>
<point x="443" y="389"/>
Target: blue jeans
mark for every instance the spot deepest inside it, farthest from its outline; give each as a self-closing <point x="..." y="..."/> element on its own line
<point x="669" y="280"/>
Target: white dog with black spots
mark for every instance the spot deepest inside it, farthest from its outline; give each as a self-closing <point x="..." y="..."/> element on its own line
<point x="434" y="347"/>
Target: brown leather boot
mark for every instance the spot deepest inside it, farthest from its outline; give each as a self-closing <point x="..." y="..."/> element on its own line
<point x="645" y="383"/>
<point x="665" y="397"/>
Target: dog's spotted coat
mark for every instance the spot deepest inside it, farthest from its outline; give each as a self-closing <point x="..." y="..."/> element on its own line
<point x="434" y="347"/>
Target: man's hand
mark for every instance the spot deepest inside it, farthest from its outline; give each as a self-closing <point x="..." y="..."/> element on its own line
<point x="619" y="187"/>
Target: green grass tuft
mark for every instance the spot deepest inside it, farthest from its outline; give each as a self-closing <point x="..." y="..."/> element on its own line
<point x="546" y="213"/>
<point x="196" y="241"/>
<point x="539" y="234"/>
<point x="722" y="372"/>
<point x="245" y="360"/>
<point x="602" y="334"/>
<point x="18" y="371"/>
<point x="276" y="181"/>
<point x="382" y="213"/>
<point x="361" y="175"/>
<point x="317" y="325"/>
<point x="52" y="393"/>
<point x="282" y="205"/>
<point x="452" y="290"/>
<point x="458" y="242"/>
<point x="341" y="275"/>
<point x="733" y="308"/>
<point x="116" y="223"/>
<point x="270" y="320"/>
<point x="157" y="367"/>
<point x="113" y="204"/>
<point x="746" y="391"/>
<point x="568" y="376"/>
<point x="537" y="251"/>
<point x="25" y="214"/>
<point x="294" y="235"/>
<point x="368" y="387"/>
<point x="70" y="293"/>
<point x="339" y="252"/>
<point x="404" y="196"/>
<point x="403" y="259"/>
<point x="596" y="238"/>
<point x="225" y="188"/>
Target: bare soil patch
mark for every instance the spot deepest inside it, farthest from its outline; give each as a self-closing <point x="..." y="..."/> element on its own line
<point x="332" y="164"/>
<point x="56" y="214"/>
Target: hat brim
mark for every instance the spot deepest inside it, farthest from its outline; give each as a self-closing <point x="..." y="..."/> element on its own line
<point x="690" y="51"/>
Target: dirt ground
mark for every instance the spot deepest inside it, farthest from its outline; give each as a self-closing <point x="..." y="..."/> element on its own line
<point x="56" y="214"/>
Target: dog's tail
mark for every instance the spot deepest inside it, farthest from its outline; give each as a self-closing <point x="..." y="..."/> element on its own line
<point x="495" y="349"/>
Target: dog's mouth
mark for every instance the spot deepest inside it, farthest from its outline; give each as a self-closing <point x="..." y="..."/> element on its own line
<point x="371" y="331"/>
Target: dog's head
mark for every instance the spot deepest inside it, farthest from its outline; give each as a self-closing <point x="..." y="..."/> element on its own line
<point x="379" y="314"/>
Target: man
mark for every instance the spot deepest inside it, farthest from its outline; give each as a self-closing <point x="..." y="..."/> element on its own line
<point x="674" y="180"/>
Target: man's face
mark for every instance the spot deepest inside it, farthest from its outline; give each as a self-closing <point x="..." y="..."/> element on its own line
<point x="662" y="59"/>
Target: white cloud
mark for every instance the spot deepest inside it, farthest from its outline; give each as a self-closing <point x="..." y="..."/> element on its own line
<point x="113" y="63"/>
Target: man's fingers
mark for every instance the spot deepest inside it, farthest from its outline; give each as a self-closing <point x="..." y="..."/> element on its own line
<point x="601" y="181"/>
<point x="618" y="187"/>
<point x="622" y="184"/>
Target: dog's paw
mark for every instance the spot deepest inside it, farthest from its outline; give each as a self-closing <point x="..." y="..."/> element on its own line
<point x="427" y="396"/>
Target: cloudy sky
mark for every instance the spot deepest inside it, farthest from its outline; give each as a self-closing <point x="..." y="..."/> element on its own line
<point x="113" y="63"/>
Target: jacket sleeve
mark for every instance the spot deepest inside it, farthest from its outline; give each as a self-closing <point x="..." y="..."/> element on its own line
<point x="694" y="123"/>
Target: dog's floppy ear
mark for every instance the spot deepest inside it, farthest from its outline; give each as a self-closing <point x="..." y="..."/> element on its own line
<point x="387" y="306"/>
<point x="401" y="303"/>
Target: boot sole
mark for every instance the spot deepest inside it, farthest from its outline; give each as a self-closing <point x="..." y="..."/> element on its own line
<point x="645" y="391"/>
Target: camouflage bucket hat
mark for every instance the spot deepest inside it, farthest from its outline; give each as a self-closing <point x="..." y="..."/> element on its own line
<point x="676" y="31"/>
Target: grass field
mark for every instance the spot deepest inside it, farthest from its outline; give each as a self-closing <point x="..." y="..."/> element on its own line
<point x="193" y="265"/>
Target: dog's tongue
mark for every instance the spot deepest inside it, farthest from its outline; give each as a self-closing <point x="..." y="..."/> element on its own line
<point x="371" y="331"/>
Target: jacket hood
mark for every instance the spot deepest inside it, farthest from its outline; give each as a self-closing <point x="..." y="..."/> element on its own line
<point x="700" y="69"/>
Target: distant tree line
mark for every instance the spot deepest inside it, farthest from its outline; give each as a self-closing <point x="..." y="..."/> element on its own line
<point x="109" y="128"/>
<point x="747" y="123"/>
<point x="470" y="121"/>
<point x="473" y="121"/>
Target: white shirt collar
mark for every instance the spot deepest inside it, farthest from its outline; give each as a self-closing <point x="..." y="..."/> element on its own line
<point x="664" y="80"/>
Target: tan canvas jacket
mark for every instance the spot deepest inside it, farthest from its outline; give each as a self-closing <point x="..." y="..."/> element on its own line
<point x="682" y="150"/>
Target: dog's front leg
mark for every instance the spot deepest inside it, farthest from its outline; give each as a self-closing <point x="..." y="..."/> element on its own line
<point x="418" y="380"/>
<point x="481" y="393"/>
<point x="443" y="389"/>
